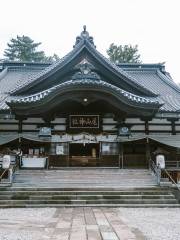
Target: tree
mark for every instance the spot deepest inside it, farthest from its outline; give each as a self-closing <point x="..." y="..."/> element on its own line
<point x="52" y="59"/>
<point x="25" y="49"/>
<point x="123" y="54"/>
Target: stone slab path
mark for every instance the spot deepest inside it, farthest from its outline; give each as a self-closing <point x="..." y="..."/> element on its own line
<point x="65" y="224"/>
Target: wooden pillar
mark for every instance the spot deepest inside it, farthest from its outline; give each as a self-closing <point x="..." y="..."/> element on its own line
<point x="20" y="120"/>
<point x="173" y="125"/>
<point x="146" y="124"/>
<point x="98" y="161"/>
<point x="121" y="155"/>
<point x="20" y="125"/>
<point x="68" y="157"/>
<point x="148" y="153"/>
<point x="146" y="127"/>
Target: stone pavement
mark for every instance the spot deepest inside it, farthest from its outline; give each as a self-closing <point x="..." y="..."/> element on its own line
<point x="65" y="224"/>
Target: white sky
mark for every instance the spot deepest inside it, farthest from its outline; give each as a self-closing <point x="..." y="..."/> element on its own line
<point x="152" y="24"/>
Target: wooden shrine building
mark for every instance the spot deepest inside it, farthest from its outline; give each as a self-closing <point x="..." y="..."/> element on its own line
<point x="85" y="111"/>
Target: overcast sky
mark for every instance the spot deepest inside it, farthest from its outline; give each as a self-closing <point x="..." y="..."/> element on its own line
<point x="152" y="24"/>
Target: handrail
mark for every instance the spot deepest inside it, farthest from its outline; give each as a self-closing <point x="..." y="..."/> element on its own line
<point x="172" y="180"/>
<point x="5" y="170"/>
<point x="11" y="172"/>
<point x="157" y="171"/>
<point x="175" y="164"/>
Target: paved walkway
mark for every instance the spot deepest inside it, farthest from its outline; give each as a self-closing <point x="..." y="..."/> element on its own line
<point x="65" y="224"/>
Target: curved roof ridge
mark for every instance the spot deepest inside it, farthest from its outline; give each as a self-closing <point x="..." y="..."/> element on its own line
<point x="47" y="69"/>
<point x="40" y="95"/>
<point x="168" y="81"/>
<point x="83" y="43"/>
<point x="119" y="70"/>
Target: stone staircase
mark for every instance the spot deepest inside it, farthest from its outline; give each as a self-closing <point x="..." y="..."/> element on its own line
<point x="88" y="178"/>
<point x="86" y="187"/>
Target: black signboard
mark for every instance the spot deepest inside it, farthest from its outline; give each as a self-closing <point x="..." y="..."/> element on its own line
<point x="84" y="121"/>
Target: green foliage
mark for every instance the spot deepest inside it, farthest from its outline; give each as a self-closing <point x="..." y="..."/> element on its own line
<point x="123" y="54"/>
<point x="52" y="59"/>
<point x="25" y="49"/>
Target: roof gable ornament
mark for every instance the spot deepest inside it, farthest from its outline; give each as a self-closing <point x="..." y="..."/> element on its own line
<point x="85" y="72"/>
<point x="84" y="36"/>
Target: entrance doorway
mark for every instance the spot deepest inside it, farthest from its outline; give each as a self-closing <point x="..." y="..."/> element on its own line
<point x="84" y="155"/>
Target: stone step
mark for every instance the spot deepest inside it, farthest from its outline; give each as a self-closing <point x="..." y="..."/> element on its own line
<point x="90" y="205"/>
<point x="90" y="201"/>
<point x="79" y="197"/>
<point x="80" y="169"/>
<point x="115" y="187"/>
<point x="48" y="197"/>
<point x="45" y="191"/>
<point x="74" y="178"/>
<point x="79" y="190"/>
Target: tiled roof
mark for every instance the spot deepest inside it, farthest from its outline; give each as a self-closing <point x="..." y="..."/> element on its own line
<point x="87" y="82"/>
<point x="57" y="66"/>
<point x="150" y="78"/>
<point x="3" y="98"/>
<point x="153" y="79"/>
<point x="161" y="85"/>
<point x="13" y="77"/>
<point x="52" y="68"/>
<point x="10" y="77"/>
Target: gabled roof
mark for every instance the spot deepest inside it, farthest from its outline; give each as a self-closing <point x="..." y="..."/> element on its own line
<point x="84" y="82"/>
<point x="84" y="43"/>
<point x="150" y="80"/>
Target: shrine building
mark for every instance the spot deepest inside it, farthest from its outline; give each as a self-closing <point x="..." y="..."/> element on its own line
<point x="85" y="111"/>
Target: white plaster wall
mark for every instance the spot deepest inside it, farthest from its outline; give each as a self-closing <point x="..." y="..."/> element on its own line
<point x="159" y="127"/>
<point x="8" y="127"/>
<point x="109" y="128"/>
<point x="29" y="127"/>
<point x="134" y="120"/>
<point x="34" y="120"/>
<point x="158" y="120"/>
<point x="59" y="120"/>
<point x="109" y="120"/>
<point x="60" y="127"/>
<point x="138" y="127"/>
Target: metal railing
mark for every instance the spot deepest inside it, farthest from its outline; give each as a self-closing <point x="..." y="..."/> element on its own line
<point x="167" y="174"/>
<point x="157" y="171"/>
<point x="173" y="164"/>
<point x="10" y="172"/>
<point x="3" y="173"/>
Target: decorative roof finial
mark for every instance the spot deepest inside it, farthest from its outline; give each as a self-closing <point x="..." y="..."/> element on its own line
<point x="84" y="36"/>
<point x="84" y="28"/>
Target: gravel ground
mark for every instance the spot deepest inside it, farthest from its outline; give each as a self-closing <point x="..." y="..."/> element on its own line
<point x="53" y="224"/>
<point x="30" y="213"/>
<point x="25" y="224"/>
<point x="155" y="224"/>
